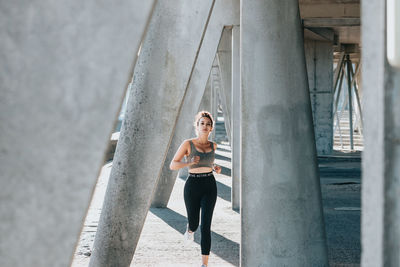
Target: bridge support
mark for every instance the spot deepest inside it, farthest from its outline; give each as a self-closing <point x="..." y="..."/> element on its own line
<point x="381" y="157"/>
<point x="281" y="210"/>
<point x="319" y="59"/>
<point x="224" y="12"/>
<point x="160" y="80"/>
<point x="65" y="69"/>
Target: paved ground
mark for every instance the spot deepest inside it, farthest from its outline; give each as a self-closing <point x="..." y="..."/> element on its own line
<point x="161" y="242"/>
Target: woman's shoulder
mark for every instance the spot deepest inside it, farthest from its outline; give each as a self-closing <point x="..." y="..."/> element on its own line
<point x="186" y="146"/>
<point x="214" y="144"/>
<point x="187" y="142"/>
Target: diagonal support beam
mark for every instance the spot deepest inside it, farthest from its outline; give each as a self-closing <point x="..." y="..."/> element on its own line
<point x="224" y="58"/>
<point x="225" y="12"/>
<point x="161" y="76"/>
<point x="66" y="66"/>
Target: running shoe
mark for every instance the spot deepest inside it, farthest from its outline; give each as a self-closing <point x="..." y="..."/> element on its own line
<point x="188" y="236"/>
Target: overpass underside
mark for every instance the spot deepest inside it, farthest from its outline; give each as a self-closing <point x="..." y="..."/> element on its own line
<point x="285" y="74"/>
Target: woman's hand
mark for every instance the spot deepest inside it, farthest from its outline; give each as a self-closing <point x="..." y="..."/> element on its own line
<point x="194" y="160"/>
<point x="217" y="169"/>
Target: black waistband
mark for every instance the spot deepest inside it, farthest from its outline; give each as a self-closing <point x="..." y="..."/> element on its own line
<point x="197" y="175"/>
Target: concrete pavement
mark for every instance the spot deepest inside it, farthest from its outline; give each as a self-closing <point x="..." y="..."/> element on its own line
<point x="161" y="241"/>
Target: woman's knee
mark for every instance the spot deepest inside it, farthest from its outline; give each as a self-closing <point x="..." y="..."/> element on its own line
<point x="193" y="225"/>
<point x="205" y="229"/>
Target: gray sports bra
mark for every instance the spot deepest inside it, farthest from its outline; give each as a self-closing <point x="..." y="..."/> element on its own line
<point x="206" y="158"/>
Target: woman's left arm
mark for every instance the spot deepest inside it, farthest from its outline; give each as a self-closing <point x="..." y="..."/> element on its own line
<point x="216" y="168"/>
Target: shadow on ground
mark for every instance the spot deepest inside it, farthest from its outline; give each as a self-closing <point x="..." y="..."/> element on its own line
<point x="221" y="246"/>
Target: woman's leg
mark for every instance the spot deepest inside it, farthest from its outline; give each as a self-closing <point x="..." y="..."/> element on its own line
<point x="207" y="208"/>
<point x="192" y="203"/>
<point x="204" y="259"/>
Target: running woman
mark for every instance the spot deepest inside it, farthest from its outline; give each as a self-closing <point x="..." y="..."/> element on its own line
<point x="200" y="192"/>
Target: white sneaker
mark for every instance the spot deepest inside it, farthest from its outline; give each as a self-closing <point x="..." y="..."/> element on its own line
<point x="189" y="236"/>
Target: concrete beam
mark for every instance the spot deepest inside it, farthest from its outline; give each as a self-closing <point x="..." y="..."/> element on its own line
<point x="66" y="66"/>
<point x="161" y="76"/>
<point x="214" y="103"/>
<point x="302" y="2"/>
<point x="331" y="22"/>
<point x="281" y="210"/>
<point x="329" y="9"/>
<point x="225" y="12"/>
<point x="236" y="115"/>
<point x="319" y="34"/>
<point x="216" y="84"/>
<point x="224" y="57"/>
<point x="205" y="103"/>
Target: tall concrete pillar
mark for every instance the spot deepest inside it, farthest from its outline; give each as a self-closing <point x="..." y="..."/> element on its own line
<point x="65" y="69"/>
<point x="224" y="12"/>
<point x="205" y="103"/>
<point x="224" y="57"/>
<point x="214" y="103"/>
<point x="236" y="114"/>
<point x="281" y="210"/>
<point x="217" y="84"/>
<point x="319" y="59"/>
<point x="164" y="67"/>
<point x="381" y="157"/>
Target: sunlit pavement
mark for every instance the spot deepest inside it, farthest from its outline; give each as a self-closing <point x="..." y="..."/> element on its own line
<point x="161" y="242"/>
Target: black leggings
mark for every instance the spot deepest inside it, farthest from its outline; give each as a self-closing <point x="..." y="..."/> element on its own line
<point x="201" y="192"/>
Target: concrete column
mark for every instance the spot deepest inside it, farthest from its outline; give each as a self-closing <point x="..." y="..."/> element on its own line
<point x="236" y="99"/>
<point x="65" y="69"/>
<point x="217" y="84"/>
<point x="224" y="12"/>
<point x="381" y="157"/>
<point x="224" y="57"/>
<point x="214" y="104"/>
<point x="319" y="59"/>
<point x="281" y="210"/>
<point x="160" y="80"/>
<point x="205" y="103"/>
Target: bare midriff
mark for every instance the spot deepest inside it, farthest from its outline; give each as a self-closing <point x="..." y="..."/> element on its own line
<point x="200" y="170"/>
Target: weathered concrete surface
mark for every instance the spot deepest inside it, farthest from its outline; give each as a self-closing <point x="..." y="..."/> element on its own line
<point x="235" y="123"/>
<point x="373" y="79"/>
<point x="224" y="57"/>
<point x="159" y="83"/>
<point x="205" y="103"/>
<point x="65" y="68"/>
<point x="329" y="8"/>
<point x="319" y="59"/>
<point x="224" y="12"/>
<point x="281" y="209"/>
<point x="214" y="102"/>
<point x="381" y="173"/>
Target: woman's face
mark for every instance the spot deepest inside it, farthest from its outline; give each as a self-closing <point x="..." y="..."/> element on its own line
<point x="204" y="126"/>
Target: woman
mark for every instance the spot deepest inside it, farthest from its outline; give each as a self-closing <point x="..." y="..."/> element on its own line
<point x="200" y="188"/>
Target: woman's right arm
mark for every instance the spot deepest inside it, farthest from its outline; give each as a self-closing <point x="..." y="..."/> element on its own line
<point x="183" y="150"/>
